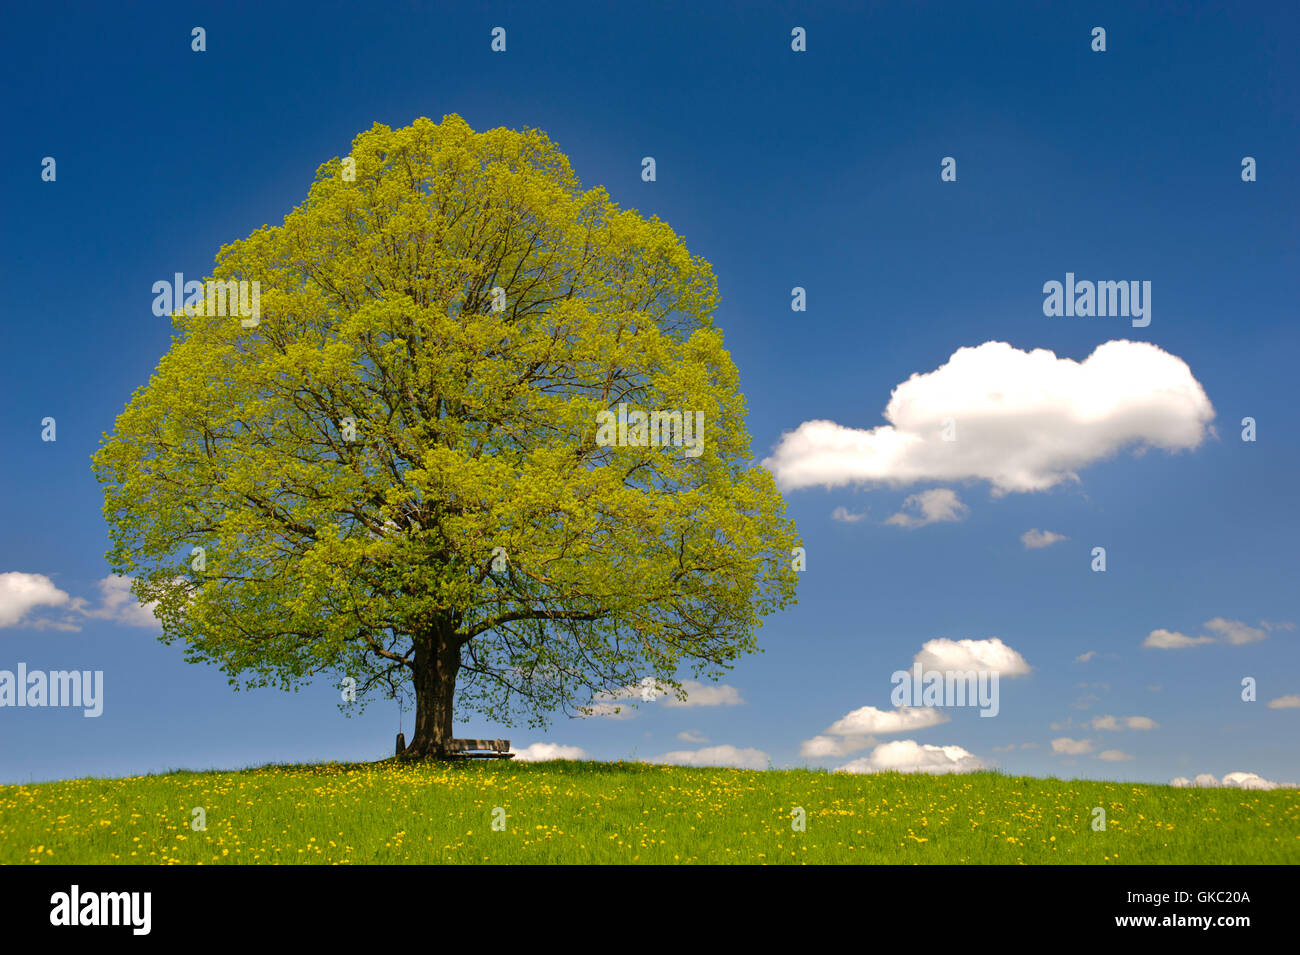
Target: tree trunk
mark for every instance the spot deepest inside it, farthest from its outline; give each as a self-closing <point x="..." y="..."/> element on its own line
<point x="437" y="659"/>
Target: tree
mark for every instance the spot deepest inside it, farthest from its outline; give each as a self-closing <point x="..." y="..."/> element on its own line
<point x="399" y="472"/>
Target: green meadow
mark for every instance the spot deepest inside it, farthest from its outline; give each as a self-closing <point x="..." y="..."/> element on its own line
<point x="575" y="812"/>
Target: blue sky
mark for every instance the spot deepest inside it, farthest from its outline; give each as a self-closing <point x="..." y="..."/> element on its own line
<point x="818" y="169"/>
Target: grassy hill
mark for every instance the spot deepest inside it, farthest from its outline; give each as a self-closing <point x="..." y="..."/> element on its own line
<point x="565" y="812"/>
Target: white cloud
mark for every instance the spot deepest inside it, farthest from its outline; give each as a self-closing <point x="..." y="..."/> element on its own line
<point x="989" y="655"/>
<point x="705" y="694"/>
<point x="1114" y="755"/>
<point x="621" y="704"/>
<point x="118" y="605"/>
<point x="930" y="507"/>
<point x="541" y="752"/>
<point x="1124" y="723"/>
<point x="1230" y="781"/>
<point x="905" y="719"/>
<point x="692" y="736"/>
<point x="1204" y="779"/>
<point x="614" y="704"/>
<point x="1025" y="421"/>
<point x="909" y="756"/>
<point x="844" y="515"/>
<point x="853" y="732"/>
<point x="1289" y="702"/>
<point x="821" y="747"/>
<point x="1085" y="657"/>
<point x="612" y="711"/>
<point x="1234" y="631"/>
<point x="1172" y="640"/>
<point x="1071" y="747"/>
<point x="1248" y="781"/>
<point x="718" y="756"/>
<point x="1035" y="539"/>
<point x="20" y="593"/>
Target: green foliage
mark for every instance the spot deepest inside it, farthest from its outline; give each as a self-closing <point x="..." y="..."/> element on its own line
<point x="475" y="430"/>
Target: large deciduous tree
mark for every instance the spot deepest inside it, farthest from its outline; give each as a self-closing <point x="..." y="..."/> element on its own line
<point x="395" y="474"/>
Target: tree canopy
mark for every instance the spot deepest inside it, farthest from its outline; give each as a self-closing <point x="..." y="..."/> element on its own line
<point x="395" y="473"/>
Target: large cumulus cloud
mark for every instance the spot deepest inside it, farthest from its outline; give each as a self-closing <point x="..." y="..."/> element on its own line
<point x="1021" y="420"/>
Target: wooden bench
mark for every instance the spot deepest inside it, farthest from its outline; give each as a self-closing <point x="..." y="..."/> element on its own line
<point x="481" y="748"/>
<point x="470" y="748"/>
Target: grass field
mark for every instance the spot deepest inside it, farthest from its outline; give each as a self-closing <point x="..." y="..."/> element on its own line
<point x="566" y="812"/>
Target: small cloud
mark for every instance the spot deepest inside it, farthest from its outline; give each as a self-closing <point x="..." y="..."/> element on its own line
<point x="691" y="736"/>
<point x="1251" y="781"/>
<point x="822" y="747"/>
<point x="1124" y="723"/>
<point x="930" y="507"/>
<point x="1114" y="755"/>
<point x="119" y="605"/>
<point x="854" y="731"/>
<point x="1231" y="632"/>
<point x="1171" y="640"/>
<point x="542" y="752"/>
<point x="1071" y="747"/>
<point x="990" y="655"/>
<point x="1230" y="781"/>
<point x="705" y="694"/>
<point x="904" y="719"/>
<point x="909" y="756"/>
<point x="1035" y="539"/>
<point x="1234" y="631"/>
<point x="844" y="515"/>
<point x="612" y="711"/>
<point x="616" y="704"/>
<point x="1204" y="780"/>
<point x="718" y="756"/>
<point x="1085" y="657"/>
<point x="21" y="593"/>
<point x="621" y="704"/>
<point x="1289" y="702"/>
